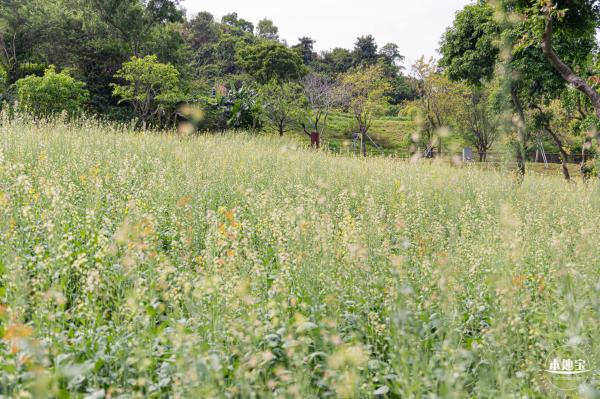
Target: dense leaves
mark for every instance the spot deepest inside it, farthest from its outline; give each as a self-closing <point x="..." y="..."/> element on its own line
<point x="270" y="60"/>
<point x="149" y="86"/>
<point x="470" y="47"/>
<point x="51" y="94"/>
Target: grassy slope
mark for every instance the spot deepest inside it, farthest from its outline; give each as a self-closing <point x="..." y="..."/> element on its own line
<point x="162" y="267"/>
<point x="393" y="135"/>
<point x="390" y="133"/>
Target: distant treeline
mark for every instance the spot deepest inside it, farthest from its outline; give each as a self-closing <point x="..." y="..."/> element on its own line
<point x="91" y="40"/>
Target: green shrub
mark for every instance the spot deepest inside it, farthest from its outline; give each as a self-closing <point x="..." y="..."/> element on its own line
<point x="3" y="80"/>
<point x="51" y="94"/>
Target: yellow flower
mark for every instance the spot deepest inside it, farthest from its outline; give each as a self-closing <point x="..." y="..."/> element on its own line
<point x="16" y="332"/>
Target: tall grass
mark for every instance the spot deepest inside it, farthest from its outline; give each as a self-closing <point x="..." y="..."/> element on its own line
<point x="152" y="266"/>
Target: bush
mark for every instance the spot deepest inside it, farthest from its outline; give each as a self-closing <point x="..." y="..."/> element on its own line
<point x="3" y="80"/>
<point x="46" y="96"/>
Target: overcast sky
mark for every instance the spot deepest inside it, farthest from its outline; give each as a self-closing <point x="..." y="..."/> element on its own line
<point x="415" y="25"/>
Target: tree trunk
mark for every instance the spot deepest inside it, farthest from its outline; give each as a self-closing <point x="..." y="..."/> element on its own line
<point x="563" y="152"/>
<point x="585" y="171"/>
<point x="363" y="143"/>
<point x="521" y="132"/>
<point x="572" y="78"/>
<point x="565" y="168"/>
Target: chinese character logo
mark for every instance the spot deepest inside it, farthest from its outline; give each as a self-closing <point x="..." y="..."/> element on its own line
<point x="567" y="368"/>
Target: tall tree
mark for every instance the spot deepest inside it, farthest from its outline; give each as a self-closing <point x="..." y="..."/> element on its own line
<point x="306" y="47"/>
<point x="365" y="50"/>
<point x="322" y="96"/>
<point x="364" y="93"/>
<point x="268" y="60"/>
<point x="282" y="103"/>
<point x="439" y="101"/>
<point x="478" y="119"/>
<point x="22" y="25"/>
<point x="391" y="53"/>
<point x="267" y="30"/>
<point x="239" y="24"/>
<point x="469" y="47"/>
<point x="482" y="38"/>
<point x="150" y="87"/>
<point x="133" y="20"/>
<point x="202" y="31"/>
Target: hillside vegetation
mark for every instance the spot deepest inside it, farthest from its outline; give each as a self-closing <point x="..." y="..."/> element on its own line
<point x="138" y="265"/>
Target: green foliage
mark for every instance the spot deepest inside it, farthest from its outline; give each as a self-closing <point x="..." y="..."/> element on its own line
<point x="3" y="80"/>
<point x="243" y="107"/>
<point x="305" y="48"/>
<point x="23" y="25"/>
<point x="51" y="94"/>
<point x="237" y="26"/>
<point x="440" y="102"/>
<point x="363" y="92"/>
<point x="365" y="51"/>
<point x="336" y="61"/>
<point x="283" y="104"/>
<point x="267" y="30"/>
<point x="134" y="20"/>
<point x="150" y="87"/>
<point x="269" y="60"/>
<point x="470" y="47"/>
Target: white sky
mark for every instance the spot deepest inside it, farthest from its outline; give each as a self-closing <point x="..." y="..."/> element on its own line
<point x="415" y="25"/>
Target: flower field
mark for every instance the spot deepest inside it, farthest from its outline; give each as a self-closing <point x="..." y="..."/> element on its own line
<point x="152" y="266"/>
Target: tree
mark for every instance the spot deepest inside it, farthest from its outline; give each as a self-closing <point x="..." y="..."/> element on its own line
<point x="565" y="32"/>
<point x="270" y="60"/>
<point x="338" y="60"/>
<point x="565" y="71"/>
<point x="481" y="38"/>
<point x="478" y="119"/>
<point x="231" y="20"/>
<point x="202" y="31"/>
<point x="322" y="95"/>
<point x="149" y="86"/>
<point x="365" y="51"/>
<point x="469" y="50"/>
<point x="22" y="24"/>
<point x="553" y="120"/>
<point x="95" y="37"/>
<point x="51" y="94"/>
<point x="305" y="47"/>
<point x="576" y="18"/>
<point x="267" y="30"/>
<point x="282" y="102"/>
<point x="439" y="102"/>
<point x="133" y="20"/>
<point x="364" y="93"/>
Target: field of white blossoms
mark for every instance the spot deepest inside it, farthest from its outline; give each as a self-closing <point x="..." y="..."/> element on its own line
<point x="152" y="266"/>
